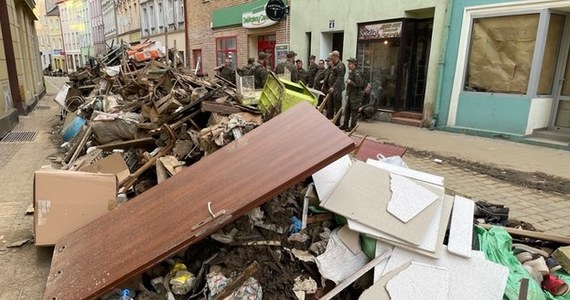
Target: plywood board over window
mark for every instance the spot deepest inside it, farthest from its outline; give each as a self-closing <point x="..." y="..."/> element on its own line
<point x="501" y="53"/>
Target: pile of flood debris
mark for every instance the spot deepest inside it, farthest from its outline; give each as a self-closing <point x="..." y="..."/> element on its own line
<point x="363" y="227"/>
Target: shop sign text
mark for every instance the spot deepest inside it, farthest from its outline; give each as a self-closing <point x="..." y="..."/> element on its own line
<point x="256" y="18"/>
<point x="380" y="31"/>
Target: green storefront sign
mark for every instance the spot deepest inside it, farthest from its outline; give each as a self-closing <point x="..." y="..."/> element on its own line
<point x="250" y="15"/>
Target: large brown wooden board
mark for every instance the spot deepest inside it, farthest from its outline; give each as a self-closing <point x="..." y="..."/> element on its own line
<point x="158" y="223"/>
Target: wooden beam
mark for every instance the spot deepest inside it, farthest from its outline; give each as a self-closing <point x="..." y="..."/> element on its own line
<point x="194" y="204"/>
<point x="533" y="234"/>
<point x="212" y="106"/>
<point x="147" y="142"/>
<point x="236" y="283"/>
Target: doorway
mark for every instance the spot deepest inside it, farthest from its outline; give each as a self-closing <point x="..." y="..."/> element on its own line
<point x="266" y="43"/>
<point x="197" y="58"/>
<point x="338" y="42"/>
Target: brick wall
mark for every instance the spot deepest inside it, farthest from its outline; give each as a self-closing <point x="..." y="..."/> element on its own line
<point x="201" y="36"/>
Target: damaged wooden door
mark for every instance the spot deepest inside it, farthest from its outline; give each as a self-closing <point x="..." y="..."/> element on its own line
<point x="197" y="202"/>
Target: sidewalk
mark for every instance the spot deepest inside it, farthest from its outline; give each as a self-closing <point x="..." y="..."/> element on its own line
<point x="25" y="269"/>
<point x="495" y="152"/>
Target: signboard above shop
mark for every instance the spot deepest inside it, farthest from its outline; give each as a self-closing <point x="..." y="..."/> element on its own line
<point x="256" y="18"/>
<point x="249" y="15"/>
<point x="380" y="31"/>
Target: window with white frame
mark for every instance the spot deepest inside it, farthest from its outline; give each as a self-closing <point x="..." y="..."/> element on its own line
<point x="180" y="14"/>
<point x="160" y="16"/>
<point x="145" y="21"/>
<point x="170" y="12"/>
<point x="152" y="16"/>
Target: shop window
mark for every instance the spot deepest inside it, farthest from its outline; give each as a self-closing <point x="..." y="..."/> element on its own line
<point x="550" y="57"/>
<point x="226" y="47"/>
<point x="500" y="56"/>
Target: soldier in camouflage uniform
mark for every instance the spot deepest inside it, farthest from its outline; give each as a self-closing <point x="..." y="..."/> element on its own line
<point x="302" y="72"/>
<point x="247" y="70"/>
<point x="259" y="70"/>
<point x="354" y="85"/>
<point x="225" y="71"/>
<point x="312" y="71"/>
<point x="336" y="85"/>
<point x="289" y="64"/>
<point x="319" y="76"/>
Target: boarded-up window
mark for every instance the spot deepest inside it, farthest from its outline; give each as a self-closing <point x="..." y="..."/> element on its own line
<point x="501" y="54"/>
<point x="553" y="38"/>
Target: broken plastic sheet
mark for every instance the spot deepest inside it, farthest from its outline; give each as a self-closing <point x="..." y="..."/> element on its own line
<point x="496" y="243"/>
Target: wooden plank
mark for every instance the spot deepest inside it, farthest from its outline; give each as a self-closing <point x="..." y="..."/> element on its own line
<point x="147" y="142"/>
<point x="238" y="281"/>
<point x="533" y="234"/>
<point x="165" y="219"/>
<point x="226" y="109"/>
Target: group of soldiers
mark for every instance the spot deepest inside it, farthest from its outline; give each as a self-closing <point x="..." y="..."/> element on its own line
<point x="329" y="80"/>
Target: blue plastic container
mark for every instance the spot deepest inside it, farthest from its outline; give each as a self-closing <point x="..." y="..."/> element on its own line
<point x="71" y="129"/>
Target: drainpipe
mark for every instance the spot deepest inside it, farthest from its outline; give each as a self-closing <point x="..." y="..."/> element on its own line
<point x="10" y="60"/>
<point x="186" y="36"/>
<point x="436" y="107"/>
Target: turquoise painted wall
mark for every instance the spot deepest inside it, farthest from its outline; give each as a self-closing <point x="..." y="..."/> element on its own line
<point x="493" y="112"/>
<point x="497" y="113"/>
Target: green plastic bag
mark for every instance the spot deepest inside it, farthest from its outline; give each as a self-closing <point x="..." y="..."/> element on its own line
<point x="496" y="243"/>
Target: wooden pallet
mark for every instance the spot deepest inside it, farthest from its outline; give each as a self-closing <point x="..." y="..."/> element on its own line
<point x="194" y="204"/>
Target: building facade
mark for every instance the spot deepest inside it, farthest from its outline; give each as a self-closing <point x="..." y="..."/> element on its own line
<point x="163" y="21"/>
<point x="42" y="28"/>
<point x="97" y="28"/>
<point x="76" y="32"/>
<point x="55" y="37"/>
<point x="110" y="22"/>
<point x="21" y="79"/>
<point x="505" y="69"/>
<point x="397" y="45"/>
<point x="128" y="21"/>
<point x="235" y="28"/>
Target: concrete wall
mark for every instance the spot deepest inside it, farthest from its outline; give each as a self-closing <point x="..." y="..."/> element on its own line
<point x="315" y="16"/>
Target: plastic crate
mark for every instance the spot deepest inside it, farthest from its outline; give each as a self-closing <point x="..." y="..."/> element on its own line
<point x="278" y="95"/>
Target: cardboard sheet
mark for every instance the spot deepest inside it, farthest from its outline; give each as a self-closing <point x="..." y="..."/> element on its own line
<point x="112" y="164"/>
<point x="363" y="195"/>
<point x="64" y="201"/>
<point x="432" y="242"/>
